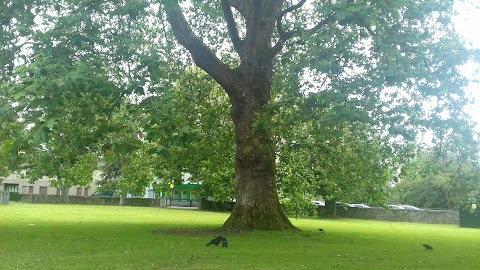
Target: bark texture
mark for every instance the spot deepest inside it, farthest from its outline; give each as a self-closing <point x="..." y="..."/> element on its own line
<point x="257" y="206"/>
<point x="249" y="87"/>
<point x="64" y="194"/>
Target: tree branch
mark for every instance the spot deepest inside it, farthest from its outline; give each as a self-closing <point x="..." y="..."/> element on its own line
<point x="240" y="5"/>
<point x="201" y="54"/>
<point x="232" y="27"/>
<point x="287" y="35"/>
<point x="292" y="8"/>
<point x="370" y="31"/>
<point x="319" y="25"/>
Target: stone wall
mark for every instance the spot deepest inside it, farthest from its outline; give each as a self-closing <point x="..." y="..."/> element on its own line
<point x="423" y="216"/>
<point x="57" y="199"/>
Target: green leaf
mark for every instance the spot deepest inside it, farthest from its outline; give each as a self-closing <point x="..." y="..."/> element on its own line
<point x="50" y="123"/>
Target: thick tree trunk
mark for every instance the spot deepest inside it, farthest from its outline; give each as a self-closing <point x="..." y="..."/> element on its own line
<point x="257" y="206"/>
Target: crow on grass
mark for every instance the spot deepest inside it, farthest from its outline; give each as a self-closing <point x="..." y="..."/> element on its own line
<point x="224" y="242"/>
<point x="321" y="230"/>
<point x="428" y="247"/>
<point x="215" y="241"/>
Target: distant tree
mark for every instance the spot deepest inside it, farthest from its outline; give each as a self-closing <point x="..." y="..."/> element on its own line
<point x="58" y="120"/>
<point x="443" y="175"/>
<point x="128" y="172"/>
<point x="64" y="151"/>
<point x="63" y="169"/>
<point x="345" y="162"/>
<point x="192" y="133"/>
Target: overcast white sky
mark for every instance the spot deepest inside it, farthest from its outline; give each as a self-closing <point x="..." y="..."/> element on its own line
<point x="468" y="24"/>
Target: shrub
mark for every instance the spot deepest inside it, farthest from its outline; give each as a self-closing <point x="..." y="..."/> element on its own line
<point x="15" y="196"/>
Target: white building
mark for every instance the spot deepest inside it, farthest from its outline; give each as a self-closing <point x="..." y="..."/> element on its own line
<point x="18" y="183"/>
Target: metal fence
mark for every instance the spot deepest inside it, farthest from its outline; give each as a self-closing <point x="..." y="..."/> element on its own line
<point x="182" y="203"/>
<point x="4" y="197"/>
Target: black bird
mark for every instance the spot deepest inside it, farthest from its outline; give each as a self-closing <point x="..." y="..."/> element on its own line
<point x="321" y="230"/>
<point x="215" y="241"/>
<point x="224" y="242"/>
<point x="428" y="247"/>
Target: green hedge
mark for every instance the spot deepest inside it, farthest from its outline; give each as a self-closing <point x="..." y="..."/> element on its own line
<point x="216" y="206"/>
<point x="470" y="216"/>
<point x="15" y="196"/>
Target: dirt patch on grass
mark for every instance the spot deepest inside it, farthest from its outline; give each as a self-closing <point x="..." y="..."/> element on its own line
<point x="194" y="232"/>
<point x="190" y="232"/>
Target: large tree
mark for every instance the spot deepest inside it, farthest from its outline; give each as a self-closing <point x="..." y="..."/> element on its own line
<point x="401" y="45"/>
<point x="249" y="88"/>
<point x="384" y="59"/>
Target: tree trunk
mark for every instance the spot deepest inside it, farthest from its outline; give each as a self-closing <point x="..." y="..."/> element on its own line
<point x="122" y="200"/>
<point x="64" y="194"/>
<point x="331" y="208"/>
<point x="257" y="206"/>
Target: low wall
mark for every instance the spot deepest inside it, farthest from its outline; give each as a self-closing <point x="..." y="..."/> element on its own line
<point x="4" y="197"/>
<point x="57" y="199"/>
<point x="398" y="215"/>
<point x="424" y="216"/>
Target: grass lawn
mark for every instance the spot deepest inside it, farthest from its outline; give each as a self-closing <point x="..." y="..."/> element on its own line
<point x="36" y="236"/>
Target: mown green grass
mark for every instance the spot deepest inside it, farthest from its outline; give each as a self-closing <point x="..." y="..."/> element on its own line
<point x="108" y="237"/>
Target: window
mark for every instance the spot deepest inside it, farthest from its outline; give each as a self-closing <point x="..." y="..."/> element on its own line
<point x="30" y="190"/>
<point x="85" y="192"/>
<point x="59" y="191"/>
<point x="43" y="190"/>
<point x="11" y="187"/>
<point x="79" y="191"/>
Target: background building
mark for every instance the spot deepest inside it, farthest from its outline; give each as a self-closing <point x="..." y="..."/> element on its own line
<point x="18" y="183"/>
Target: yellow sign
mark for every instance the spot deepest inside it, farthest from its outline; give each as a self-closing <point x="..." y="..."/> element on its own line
<point x="171" y="185"/>
<point x="474" y="206"/>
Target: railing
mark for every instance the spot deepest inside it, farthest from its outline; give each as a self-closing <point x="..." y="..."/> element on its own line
<point x="182" y="202"/>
